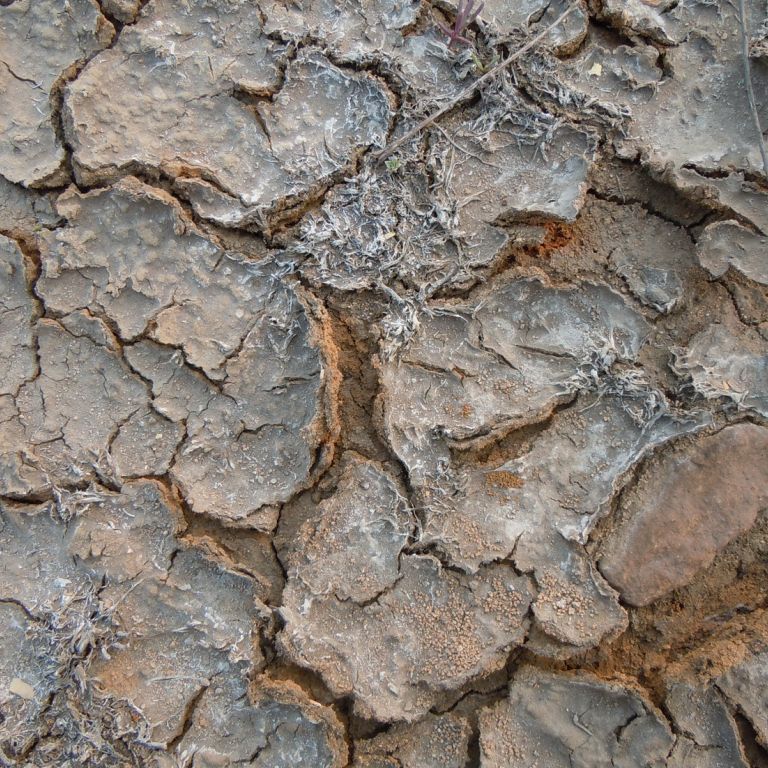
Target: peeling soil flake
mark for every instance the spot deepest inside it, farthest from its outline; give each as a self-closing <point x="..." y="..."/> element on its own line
<point x="383" y="384"/>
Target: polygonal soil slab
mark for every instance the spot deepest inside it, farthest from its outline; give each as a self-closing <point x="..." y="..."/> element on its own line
<point x="728" y="244"/>
<point x="42" y="42"/>
<point x="727" y="363"/>
<point x="683" y="509"/>
<point x="500" y="363"/>
<point x="220" y="374"/>
<point x="16" y="313"/>
<point x="708" y="733"/>
<point x="473" y="374"/>
<point x="745" y="685"/>
<point x="393" y="629"/>
<point x="563" y="721"/>
<point x="177" y="631"/>
<point x="190" y="96"/>
<point x="271" y="724"/>
<point x="690" y="119"/>
<point x="689" y="122"/>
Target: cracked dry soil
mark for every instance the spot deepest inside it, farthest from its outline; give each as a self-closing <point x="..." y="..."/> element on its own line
<point x="311" y="460"/>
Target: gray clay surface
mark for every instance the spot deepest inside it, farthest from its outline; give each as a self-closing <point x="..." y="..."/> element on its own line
<point x="454" y="456"/>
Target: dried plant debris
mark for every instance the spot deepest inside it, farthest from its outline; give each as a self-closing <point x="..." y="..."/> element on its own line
<point x="440" y="222"/>
<point x="379" y="227"/>
<point x="383" y="384"/>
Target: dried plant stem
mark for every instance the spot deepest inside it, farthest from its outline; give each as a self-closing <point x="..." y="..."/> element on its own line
<point x="748" y="85"/>
<point x="470" y="90"/>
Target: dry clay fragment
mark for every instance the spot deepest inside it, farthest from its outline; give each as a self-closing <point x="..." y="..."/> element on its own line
<point x="77" y="406"/>
<point x="525" y="348"/>
<point x="731" y="192"/>
<point x="641" y="17"/>
<point x="353" y="29"/>
<point x="436" y="741"/>
<point x="682" y="118"/>
<point x="129" y="252"/>
<point x="184" y="617"/>
<point x="125" y="11"/>
<point x="186" y="623"/>
<point x="180" y="633"/>
<point x="41" y="43"/>
<point x="16" y="312"/>
<point x="745" y="685"/>
<point x="277" y="725"/>
<point x="722" y="363"/>
<point x="248" y="552"/>
<point x="700" y="117"/>
<point x="504" y="19"/>
<point x="494" y="178"/>
<point x="350" y="546"/>
<point x="184" y="86"/>
<point x="24" y="210"/>
<point x="572" y="721"/>
<point x="433" y="631"/>
<point x="124" y="536"/>
<point x="359" y="32"/>
<point x="427" y="630"/>
<point x="683" y="509"/>
<point x="728" y="244"/>
<point x="709" y="738"/>
<point x="254" y="408"/>
<point x="540" y="508"/>
<point x="507" y="361"/>
<point x="20" y="478"/>
<point x="654" y="257"/>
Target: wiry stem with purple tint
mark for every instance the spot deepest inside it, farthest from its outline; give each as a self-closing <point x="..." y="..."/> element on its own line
<point x="466" y="14"/>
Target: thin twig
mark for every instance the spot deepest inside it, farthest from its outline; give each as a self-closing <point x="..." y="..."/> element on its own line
<point x="470" y="90"/>
<point x="748" y="84"/>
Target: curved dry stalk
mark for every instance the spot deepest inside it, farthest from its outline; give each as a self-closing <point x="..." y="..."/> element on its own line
<point x="748" y="85"/>
<point x="470" y="90"/>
